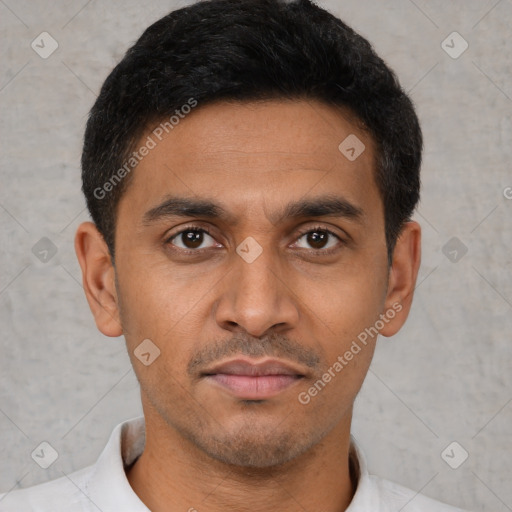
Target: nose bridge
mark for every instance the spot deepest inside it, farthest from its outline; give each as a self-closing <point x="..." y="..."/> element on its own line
<point x="257" y="298"/>
<point x="256" y="269"/>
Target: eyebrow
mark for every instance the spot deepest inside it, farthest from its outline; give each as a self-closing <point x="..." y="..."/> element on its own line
<point x="324" y="206"/>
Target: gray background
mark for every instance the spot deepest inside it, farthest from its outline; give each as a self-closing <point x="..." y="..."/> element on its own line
<point x="445" y="377"/>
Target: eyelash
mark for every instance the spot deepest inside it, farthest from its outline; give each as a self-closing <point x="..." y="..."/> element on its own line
<point x="319" y="252"/>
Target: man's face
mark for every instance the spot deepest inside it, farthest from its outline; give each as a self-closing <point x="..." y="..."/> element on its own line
<point x="205" y="299"/>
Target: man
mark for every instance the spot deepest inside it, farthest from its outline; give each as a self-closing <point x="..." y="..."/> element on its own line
<point x="251" y="168"/>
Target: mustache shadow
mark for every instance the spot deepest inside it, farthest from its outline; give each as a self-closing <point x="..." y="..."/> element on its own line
<point x="271" y="345"/>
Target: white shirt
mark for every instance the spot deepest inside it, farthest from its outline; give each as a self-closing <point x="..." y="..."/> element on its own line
<point x="104" y="487"/>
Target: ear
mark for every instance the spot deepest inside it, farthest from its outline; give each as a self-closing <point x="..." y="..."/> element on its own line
<point x="98" y="278"/>
<point x="402" y="277"/>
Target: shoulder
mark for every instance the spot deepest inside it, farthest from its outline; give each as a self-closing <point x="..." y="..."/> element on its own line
<point x="64" y="494"/>
<point x="378" y="494"/>
<point x="100" y="486"/>
<point x="398" y="497"/>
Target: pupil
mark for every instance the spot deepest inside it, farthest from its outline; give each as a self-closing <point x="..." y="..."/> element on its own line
<point x="317" y="239"/>
<point x="195" y="238"/>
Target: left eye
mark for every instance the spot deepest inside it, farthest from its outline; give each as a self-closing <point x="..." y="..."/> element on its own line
<point x="317" y="238"/>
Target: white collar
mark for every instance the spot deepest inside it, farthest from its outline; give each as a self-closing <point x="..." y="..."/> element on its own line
<point x="109" y="489"/>
<point x="105" y="486"/>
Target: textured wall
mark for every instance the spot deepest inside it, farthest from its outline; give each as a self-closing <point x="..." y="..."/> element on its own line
<point x="445" y="377"/>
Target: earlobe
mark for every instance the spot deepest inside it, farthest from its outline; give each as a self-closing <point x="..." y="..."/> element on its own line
<point x="402" y="278"/>
<point x="98" y="278"/>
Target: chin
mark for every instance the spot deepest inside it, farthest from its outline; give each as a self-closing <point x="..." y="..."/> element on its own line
<point x="253" y="447"/>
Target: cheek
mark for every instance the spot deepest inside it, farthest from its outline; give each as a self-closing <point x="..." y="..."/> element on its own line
<point x="349" y="341"/>
<point x="348" y="313"/>
<point x="344" y="313"/>
<point x="166" y="307"/>
<point x="345" y="300"/>
<point x="152" y="293"/>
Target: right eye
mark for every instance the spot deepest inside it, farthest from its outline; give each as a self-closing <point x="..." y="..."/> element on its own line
<point x="191" y="239"/>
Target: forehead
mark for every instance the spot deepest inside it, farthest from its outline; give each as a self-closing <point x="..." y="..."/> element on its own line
<point x="250" y="155"/>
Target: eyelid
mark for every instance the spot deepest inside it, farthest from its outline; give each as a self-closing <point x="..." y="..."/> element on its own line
<point x="305" y="231"/>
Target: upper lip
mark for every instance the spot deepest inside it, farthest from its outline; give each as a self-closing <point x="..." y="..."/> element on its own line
<point x="254" y="369"/>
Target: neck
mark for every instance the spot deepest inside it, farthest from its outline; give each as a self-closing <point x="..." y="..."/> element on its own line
<point x="174" y="475"/>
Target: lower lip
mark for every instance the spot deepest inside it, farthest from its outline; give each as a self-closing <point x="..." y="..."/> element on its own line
<point x="254" y="387"/>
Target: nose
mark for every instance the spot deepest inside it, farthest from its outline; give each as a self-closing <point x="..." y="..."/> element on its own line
<point x="257" y="296"/>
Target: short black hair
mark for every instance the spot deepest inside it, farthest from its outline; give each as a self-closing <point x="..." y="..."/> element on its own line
<point x="249" y="50"/>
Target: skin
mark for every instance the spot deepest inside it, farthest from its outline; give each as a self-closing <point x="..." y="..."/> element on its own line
<point x="206" y="449"/>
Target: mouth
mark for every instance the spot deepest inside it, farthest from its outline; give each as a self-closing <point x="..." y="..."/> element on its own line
<point x="250" y="380"/>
